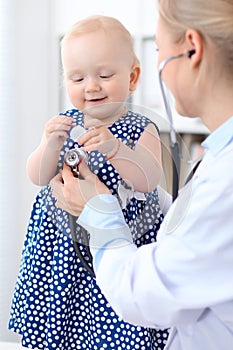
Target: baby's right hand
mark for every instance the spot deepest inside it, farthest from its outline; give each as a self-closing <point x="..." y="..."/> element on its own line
<point x="56" y="131"/>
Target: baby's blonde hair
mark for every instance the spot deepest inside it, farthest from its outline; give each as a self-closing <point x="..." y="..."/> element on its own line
<point x="213" y="19"/>
<point x="108" y="24"/>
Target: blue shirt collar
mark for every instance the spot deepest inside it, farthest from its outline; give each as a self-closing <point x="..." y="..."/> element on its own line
<point x="220" y="138"/>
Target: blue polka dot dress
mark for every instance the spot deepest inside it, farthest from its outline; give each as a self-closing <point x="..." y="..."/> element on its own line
<point x="57" y="303"/>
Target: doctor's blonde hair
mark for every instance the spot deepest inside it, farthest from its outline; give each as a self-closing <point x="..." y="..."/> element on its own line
<point x="109" y="25"/>
<point x="213" y="19"/>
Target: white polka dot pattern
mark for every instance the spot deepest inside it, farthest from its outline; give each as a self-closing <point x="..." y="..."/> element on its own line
<point x="56" y="303"/>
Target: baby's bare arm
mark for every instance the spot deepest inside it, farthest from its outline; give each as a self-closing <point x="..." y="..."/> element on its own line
<point x="141" y="167"/>
<point x="42" y="162"/>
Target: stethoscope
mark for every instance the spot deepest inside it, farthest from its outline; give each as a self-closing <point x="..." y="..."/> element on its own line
<point x="73" y="157"/>
<point x="174" y="144"/>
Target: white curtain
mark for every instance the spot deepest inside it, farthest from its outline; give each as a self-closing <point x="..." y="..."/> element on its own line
<point x="26" y="101"/>
<point x="8" y="160"/>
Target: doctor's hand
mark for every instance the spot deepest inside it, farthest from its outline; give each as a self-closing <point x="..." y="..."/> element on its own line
<point x="72" y="193"/>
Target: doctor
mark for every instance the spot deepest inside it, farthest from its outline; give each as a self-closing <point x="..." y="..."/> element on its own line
<point x="184" y="281"/>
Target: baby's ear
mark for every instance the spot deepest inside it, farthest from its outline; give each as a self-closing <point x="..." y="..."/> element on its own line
<point x="134" y="76"/>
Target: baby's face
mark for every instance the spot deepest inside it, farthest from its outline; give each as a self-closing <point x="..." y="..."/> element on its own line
<point x="97" y="68"/>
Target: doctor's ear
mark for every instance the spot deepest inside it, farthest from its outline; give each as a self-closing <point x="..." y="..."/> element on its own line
<point x="134" y="76"/>
<point x="194" y="40"/>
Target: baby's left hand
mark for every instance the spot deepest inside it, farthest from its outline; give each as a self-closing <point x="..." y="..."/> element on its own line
<point x="98" y="137"/>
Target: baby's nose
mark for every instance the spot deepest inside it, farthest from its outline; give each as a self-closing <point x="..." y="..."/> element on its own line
<point x="92" y="85"/>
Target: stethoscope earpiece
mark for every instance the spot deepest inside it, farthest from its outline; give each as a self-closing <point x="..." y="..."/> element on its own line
<point x="190" y="53"/>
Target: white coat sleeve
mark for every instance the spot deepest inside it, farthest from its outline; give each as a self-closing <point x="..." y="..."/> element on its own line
<point x="189" y="268"/>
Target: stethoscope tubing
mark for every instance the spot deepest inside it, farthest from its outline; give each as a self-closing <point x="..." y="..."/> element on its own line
<point x="174" y="144"/>
<point x="87" y="265"/>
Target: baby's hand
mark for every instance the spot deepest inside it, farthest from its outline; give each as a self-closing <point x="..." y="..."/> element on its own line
<point x="56" y="131"/>
<point x="99" y="138"/>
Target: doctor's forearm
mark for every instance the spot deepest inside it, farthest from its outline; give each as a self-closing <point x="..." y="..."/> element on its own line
<point x="117" y="260"/>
